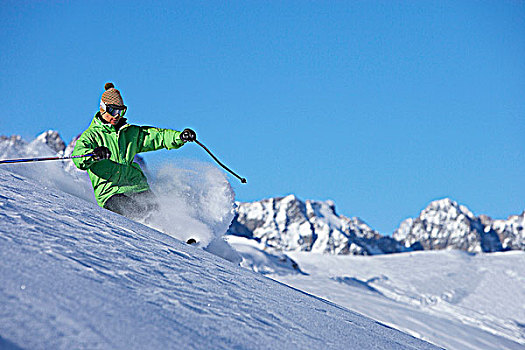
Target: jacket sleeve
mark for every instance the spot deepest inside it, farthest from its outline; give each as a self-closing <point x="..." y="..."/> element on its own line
<point x="83" y="146"/>
<point x="152" y="139"/>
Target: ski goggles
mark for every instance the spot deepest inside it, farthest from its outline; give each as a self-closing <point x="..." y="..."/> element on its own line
<point x="114" y="110"/>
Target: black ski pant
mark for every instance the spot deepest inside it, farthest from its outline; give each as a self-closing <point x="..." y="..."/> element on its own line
<point x="135" y="206"/>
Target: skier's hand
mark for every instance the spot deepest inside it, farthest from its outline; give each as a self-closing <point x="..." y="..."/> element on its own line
<point x="188" y="135"/>
<point x="100" y="153"/>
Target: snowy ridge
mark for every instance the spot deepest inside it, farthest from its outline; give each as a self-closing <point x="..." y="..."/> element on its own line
<point x="445" y="224"/>
<point x="200" y="193"/>
<point x="60" y="243"/>
<point x="511" y="232"/>
<point x="290" y="224"/>
<point x="77" y="276"/>
<point x="52" y="139"/>
<point x="57" y="174"/>
<point x="14" y="146"/>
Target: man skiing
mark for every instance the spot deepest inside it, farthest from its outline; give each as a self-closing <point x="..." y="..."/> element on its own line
<point x="119" y="183"/>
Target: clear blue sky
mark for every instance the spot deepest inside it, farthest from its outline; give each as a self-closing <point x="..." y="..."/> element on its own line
<point x="381" y="106"/>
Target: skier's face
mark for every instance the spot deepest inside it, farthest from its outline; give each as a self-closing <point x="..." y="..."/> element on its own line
<point x="113" y="120"/>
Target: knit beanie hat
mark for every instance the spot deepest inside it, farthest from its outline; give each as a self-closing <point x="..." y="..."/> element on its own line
<point x="111" y="95"/>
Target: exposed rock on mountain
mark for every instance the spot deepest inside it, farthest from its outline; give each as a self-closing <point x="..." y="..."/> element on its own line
<point x="511" y="232"/>
<point x="445" y="224"/>
<point x="290" y="224"/>
<point x="53" y="140"/>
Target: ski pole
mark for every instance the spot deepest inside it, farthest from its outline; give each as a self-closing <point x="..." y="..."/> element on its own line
<point x="27" y="160"/>
<point x="243" y="180"/>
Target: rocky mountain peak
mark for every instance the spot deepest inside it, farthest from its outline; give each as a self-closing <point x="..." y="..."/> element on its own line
<point x="290" y="224"/>
<point x="10" y="146"/>
<point x="444" y="224"/>
<point x="52" y="139"/>
<point x="444" y="210"/>
<point x="511" y="232"/>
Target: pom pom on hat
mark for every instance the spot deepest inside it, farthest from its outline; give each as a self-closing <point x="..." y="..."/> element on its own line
<point x="112" y="95"/>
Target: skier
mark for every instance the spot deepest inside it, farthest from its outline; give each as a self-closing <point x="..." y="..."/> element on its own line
<point x="119" y="183"/>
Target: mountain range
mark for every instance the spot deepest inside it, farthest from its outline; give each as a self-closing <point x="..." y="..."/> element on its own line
<point x="291" y="224"/>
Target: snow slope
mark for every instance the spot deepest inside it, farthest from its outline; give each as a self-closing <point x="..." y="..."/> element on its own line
<point x="452" y="299"/>
<point x="195" y="199"/>
<point x="76" y="276"/>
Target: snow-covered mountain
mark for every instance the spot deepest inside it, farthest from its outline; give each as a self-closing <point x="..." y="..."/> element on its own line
<point x="70" y="269"/>
<point x="63" y="175"/>
<point x="75" y="276"/>
<point x="52" y="139"/>
<point x="45" y="143"/>
<point x="290" y="224"/>
<point x="511" y="231"/>
<point x="444" y="224"/>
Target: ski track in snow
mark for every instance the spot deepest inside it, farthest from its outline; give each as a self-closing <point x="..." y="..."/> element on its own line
<point x="76" y="276"/>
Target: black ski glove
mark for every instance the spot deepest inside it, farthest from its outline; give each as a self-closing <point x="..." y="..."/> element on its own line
<point x="188" y="135"/>
<point x="100" y="153"/>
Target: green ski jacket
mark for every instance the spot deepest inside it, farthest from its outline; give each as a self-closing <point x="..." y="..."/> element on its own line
<point x="120" y="174"/>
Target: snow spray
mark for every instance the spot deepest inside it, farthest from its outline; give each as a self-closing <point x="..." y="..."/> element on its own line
<point x="195" y="201"/>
